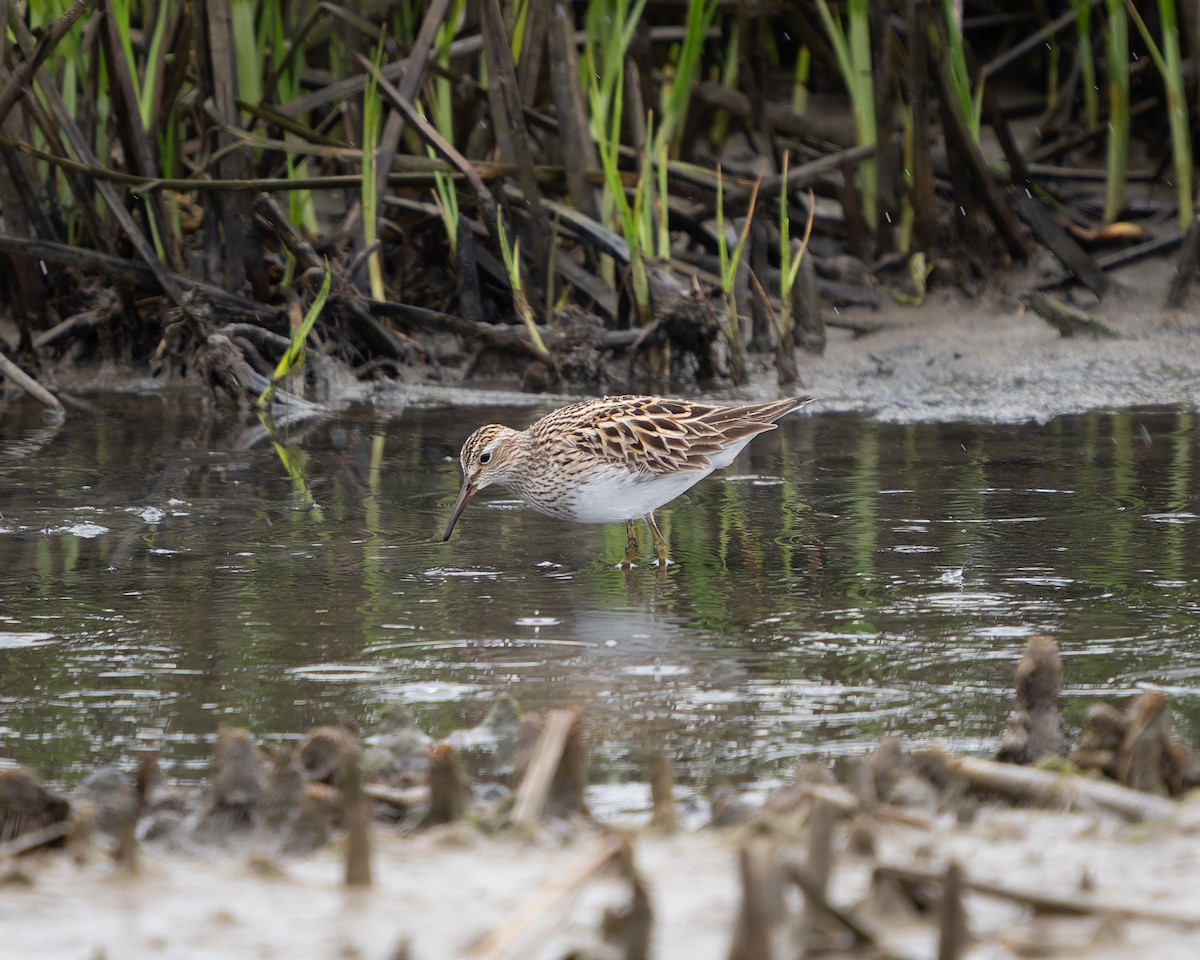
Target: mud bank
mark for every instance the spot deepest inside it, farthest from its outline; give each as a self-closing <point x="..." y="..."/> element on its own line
<point x="917" y="854"/>
<point x="955" y="358"/>
<point x="992" y="359"/>
<point x="1070" y="884"/>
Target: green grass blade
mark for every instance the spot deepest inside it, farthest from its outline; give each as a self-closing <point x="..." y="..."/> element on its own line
<point x="1117" y="55"/>
<point x="852" y="50"/>
<point x="1087" y="61"/>
<point x="372" y="115"/>
<point x="293" y="356"/>
<point x="700" y="15"/>
<point x="1170" y="66"/>
<point x="246" y="50"/>
<point x="511" y="255"/>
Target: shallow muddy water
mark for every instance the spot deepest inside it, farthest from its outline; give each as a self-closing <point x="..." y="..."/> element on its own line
<point x="161" y="570"/>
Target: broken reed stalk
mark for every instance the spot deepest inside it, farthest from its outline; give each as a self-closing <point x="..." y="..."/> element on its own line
<point x="1066" y="904"/>
<point x="974" y="182"/>
<point x="449" y="786"/>
<point x="970" y="104"/>
<point x="789" y="259"/>
<point x="444" y="149"/>
<point x="293" y="356"/>
<point x="761" y="903"/>
<point x="664" y="817"/>
<point x="1044" y="787"/>
<point x="358" y="820"/>
<point x="628" y="215"/>
<point x="862" y="931"/>
<point x="953" y="935"/>
<point x="819" y="865"/>
<point x="534" y="791"/>
<point x="115" y="205"/>
<point x="49" y="40"/>
<point x="699" y="17"/>
<point x="1186" y="267"/>
<point x="500" y="942"/>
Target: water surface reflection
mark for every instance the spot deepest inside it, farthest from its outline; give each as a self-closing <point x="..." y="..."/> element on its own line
<point x="160" y="570"/>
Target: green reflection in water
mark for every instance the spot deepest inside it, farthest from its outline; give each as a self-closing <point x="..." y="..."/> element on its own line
<point x="872" y="578"/>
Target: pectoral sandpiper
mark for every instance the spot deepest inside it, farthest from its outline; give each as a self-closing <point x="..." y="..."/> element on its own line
<point x="613" y="459"/>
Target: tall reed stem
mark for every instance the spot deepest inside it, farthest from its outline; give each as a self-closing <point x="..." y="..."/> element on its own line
<point x="1170" y="66"/>
<point x="1117" y="52"/>
<point x="852" y="48"/>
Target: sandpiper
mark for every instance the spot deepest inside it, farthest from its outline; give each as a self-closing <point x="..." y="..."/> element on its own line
<point x="613" y="459"/>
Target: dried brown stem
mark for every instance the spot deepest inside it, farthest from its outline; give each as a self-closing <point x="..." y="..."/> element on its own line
<point x="1068" y="904"/>
<point x="501" y="942"/>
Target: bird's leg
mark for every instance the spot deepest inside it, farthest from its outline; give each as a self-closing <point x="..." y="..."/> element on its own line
<point x="660" y="542"/>
<point x="631" y="545"/>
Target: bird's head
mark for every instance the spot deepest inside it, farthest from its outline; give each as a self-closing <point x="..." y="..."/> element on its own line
<point x="487" y="457"/>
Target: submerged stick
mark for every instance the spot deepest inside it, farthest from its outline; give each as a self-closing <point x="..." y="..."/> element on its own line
<point x="32" y="387"/>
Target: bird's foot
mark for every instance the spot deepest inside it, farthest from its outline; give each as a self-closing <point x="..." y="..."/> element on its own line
<point x="631" y="546"/>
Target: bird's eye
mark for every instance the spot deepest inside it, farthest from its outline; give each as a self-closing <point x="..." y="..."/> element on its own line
<point x="485" y="457"/>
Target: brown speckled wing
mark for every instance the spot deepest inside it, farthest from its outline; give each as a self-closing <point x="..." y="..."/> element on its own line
<point x="651" y="436"/>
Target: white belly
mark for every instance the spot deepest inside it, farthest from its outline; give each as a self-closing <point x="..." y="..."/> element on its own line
<point x="620" y="497"/>
<point x="611" y="494"/>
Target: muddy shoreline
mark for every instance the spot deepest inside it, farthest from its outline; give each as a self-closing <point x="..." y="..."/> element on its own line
<point x="991" y="359"/>
<point x="986" y="358"/>
<point x="336" y="852"/>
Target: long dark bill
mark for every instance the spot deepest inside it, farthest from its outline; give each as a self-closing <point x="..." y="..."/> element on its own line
<point x="464" y="497"/>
